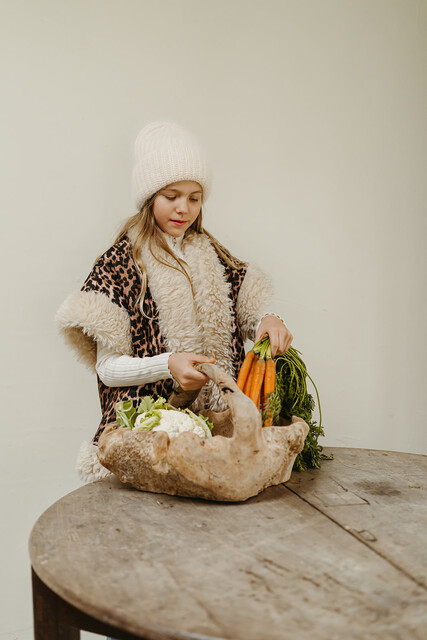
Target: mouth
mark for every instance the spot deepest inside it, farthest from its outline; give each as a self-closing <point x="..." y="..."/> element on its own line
<point x="179" y="223"/>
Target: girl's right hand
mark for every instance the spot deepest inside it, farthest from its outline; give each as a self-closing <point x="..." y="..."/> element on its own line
<point x="181" y="366"/>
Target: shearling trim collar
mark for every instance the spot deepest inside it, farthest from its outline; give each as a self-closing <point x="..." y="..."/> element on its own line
<point x="202" y="324"/>
<point x="86" y="317"/>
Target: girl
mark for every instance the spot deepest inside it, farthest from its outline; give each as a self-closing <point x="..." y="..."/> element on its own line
<point x="166" y="295"/>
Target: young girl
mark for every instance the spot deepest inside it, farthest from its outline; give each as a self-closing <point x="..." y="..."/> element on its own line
<point x="166" y="295"/>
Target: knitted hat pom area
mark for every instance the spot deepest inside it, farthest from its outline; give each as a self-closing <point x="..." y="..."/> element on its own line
<point x="165" y="153"/>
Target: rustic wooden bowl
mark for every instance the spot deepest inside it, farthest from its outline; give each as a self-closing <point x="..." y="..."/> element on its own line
<point x="242" y="458"/>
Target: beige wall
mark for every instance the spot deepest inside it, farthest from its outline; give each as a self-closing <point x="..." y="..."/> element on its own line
<point x="314" y="114"/>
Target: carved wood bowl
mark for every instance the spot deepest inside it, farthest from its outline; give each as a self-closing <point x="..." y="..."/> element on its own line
<point x="240" y="460"/>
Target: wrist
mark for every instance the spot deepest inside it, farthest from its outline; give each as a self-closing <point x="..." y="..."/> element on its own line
<point x="275" y="315"/>
<point x="170" y="360"/>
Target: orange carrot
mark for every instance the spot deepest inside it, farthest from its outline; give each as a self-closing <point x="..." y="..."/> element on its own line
<point x="259" y="370"/>
<point x="269" y="386"/>
<point x="260" y="396"/>
<point x="270" y="376"/>
<point x="248" y="383"/>
<point x="263" y="403"/>
<point x="245" y="369"/>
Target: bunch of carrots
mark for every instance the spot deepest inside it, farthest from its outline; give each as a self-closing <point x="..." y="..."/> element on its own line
<point x="279" y="389"/>
<point x="257" y="378"/>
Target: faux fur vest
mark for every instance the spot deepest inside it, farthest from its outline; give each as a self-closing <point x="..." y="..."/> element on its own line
<point x="223" y="313"/>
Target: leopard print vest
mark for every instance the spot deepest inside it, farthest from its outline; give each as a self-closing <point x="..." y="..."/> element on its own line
<point x="115" y="276"/>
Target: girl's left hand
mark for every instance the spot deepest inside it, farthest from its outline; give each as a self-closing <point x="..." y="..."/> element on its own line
<point x="279" y="334"/>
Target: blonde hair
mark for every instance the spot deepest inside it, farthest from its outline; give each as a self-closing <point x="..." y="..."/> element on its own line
<point x="144" y="227"/>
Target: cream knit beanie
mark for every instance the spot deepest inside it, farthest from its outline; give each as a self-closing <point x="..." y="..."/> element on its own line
<point x="166" y="153"/>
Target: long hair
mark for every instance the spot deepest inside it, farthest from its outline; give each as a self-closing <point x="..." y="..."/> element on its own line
<point x="144" y="227"/>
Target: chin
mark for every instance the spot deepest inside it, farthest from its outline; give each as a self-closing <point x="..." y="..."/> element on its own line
<point x="177" y="232"/>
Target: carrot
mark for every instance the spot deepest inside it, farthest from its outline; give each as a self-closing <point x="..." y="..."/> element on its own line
<point x="248" y="383"/>
<point x="258" y="377"/>
<point x="270" y="376"/>
<point x="269" y="386"/>
<point x="260" y="396"/>
<point x="245" y="369"/>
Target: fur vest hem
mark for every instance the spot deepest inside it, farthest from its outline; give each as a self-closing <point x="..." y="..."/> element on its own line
<point x="88" y="467"/>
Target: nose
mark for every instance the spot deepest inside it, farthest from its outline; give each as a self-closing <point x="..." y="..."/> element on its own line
<point x="181" y="205"/>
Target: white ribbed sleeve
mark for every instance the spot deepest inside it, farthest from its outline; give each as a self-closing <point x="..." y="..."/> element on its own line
<point x="116" y="370"/>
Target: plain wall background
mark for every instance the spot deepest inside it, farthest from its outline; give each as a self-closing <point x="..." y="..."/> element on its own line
<point x="314" y="116"/>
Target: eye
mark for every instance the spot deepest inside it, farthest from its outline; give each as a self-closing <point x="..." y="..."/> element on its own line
<point x="170" y="197"/>
<point x="194" y="199"/>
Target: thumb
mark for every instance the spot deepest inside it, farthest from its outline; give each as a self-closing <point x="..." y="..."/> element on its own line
<point x="200" y="358"/>
<point x="260" y="334"/>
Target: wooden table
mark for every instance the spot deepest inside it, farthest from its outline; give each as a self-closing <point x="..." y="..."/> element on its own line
<point x="336" y="553"/>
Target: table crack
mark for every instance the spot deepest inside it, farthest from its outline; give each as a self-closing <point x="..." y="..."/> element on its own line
<point x="355" y="534"/>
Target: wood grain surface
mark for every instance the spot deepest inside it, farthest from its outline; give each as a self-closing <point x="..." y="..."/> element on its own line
<point x="335" y="553"/>
<point x="379" y="497"/>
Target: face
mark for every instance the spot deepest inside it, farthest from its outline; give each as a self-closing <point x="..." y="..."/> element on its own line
<point x="176" y="207"/>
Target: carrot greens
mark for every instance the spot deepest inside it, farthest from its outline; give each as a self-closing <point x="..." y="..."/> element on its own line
<point x="291" y="384"/>
<point x="282" y="387"/>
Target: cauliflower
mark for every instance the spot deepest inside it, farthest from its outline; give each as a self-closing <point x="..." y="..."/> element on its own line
<point x="158" y="415"/>
<point x="174" y="423"/>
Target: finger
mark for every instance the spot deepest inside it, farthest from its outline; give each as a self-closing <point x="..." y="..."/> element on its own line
<point x="275" y="349"/>
<point x="200" y="358"/>
<point x="275" y="342"/>
<point x="194" y="379"/>
<point x="284" y="346"/>
<point x="284" y="343"/>
<point x="288" y="341"/>
<point x="259" y="335"/>
<point x="200" y="377"/>
<point x="280" y="344"/>
<point x="276" y="352"/>
<point x="192" y="385"/>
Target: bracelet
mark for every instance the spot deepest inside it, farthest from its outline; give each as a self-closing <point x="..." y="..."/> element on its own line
<point x="272" y="314"/>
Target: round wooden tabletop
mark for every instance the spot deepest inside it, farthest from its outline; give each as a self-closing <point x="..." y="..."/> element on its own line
<point x="334" y="553"/>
